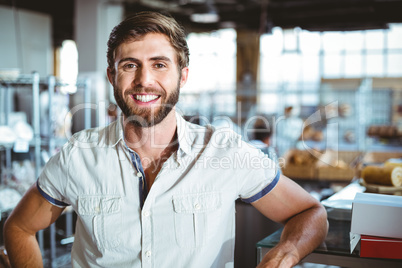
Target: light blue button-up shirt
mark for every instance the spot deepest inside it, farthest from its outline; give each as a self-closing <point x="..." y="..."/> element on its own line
<point x="187" y="218"/>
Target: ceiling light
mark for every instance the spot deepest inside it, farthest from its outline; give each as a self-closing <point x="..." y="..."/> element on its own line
<point x="205" y="13"/>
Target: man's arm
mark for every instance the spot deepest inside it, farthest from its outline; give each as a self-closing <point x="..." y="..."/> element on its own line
<point x="33" y="213"/>
<point x="304" y="218"/>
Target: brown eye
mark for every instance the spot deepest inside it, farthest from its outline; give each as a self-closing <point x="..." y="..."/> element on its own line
<point x="160" y="65"/>
<point x="129" y="66"/>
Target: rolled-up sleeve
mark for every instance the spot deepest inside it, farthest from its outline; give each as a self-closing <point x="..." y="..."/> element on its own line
<point x="257" y="174"/>
<point x="53" y="179"/>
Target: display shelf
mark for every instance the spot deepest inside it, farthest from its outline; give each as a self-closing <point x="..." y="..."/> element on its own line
<point x="21" y="80"/>
<point x="30" y="79"/>
<point x="39" y="143"/>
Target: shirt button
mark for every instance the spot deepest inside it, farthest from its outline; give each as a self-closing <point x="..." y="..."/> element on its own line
<point x="147" y="213"/>
<point x="148" y="253"/>
<point x="139" y="174"/>
<point x="197" y="206"/>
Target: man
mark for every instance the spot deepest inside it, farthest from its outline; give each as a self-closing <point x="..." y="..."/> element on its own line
<point x="152" y="190"/>
<point x="262" y="133"/>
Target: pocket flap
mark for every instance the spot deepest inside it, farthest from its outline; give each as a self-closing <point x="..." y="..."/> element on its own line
<point x="197" y="203"/>
<point x="93" y="205"/>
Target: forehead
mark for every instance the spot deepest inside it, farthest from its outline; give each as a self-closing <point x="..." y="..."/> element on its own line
<point x="148" y="46"/>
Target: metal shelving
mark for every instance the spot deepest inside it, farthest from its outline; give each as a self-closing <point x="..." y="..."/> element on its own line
<point x="39" y="144"/>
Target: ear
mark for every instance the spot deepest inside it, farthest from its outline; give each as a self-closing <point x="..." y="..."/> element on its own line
<point x="110" y="75"/>
<point x="184" y="76"/>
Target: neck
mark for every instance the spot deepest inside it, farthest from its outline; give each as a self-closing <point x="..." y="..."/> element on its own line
<point x="152" y="141"/>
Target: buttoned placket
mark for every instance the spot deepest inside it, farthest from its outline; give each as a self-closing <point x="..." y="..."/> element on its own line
<point x="140" y="174"/>
<point x="146" y="228"/>
<point x="147" y="254"/>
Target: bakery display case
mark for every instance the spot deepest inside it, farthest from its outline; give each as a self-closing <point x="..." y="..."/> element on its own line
<point x="338" y="165"/>
<point x="299" y="164"/>
<point x="338" y="248"/>
<point x="329" y="165"/>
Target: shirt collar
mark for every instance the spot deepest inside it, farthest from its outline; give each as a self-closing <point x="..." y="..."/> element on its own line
<point x="111" y="135"/>
<point x="184" y="134"/>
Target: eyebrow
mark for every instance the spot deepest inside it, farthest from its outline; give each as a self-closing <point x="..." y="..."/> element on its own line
<point x="128" y="59"/>
<point x="164" y="58"/>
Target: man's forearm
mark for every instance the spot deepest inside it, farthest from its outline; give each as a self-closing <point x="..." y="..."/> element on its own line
<point x="22" y="248"/>
<point x="306" y="231"/>
<point x="300" y="236"/>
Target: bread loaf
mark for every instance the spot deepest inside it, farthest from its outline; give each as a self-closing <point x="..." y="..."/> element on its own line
<point x="383" y="175"/>
<point x="396" y="176"/>
<point x="302" y="158"/>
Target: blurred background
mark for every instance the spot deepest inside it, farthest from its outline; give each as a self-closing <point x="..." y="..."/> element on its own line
<point x="324" y="77"/>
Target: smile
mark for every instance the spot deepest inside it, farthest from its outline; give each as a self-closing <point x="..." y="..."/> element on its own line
<point x="145" y="98"/>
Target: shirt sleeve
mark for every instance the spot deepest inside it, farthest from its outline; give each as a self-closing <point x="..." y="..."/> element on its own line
<point x="264" y="191"/>
<point x="53" y="179"/>
<point x="257" y="174"/>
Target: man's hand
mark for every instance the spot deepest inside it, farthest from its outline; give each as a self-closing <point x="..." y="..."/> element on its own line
<point x="281" y="256"/>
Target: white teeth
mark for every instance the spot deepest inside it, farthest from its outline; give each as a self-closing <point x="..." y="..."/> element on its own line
<point x="145" y="98"/>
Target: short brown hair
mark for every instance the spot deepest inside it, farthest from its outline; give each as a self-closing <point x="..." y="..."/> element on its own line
<point x="142" y="23"/>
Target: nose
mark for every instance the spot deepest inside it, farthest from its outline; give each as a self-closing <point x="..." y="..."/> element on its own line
<point x="143" y="77"/>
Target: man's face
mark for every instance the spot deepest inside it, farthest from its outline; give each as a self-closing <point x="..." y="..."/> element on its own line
<point x="146" y="80"/>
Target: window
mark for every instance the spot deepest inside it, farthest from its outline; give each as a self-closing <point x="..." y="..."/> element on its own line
<point x="69" y="66"/>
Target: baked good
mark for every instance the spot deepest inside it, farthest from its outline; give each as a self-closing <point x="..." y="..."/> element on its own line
<point x="302" y="158"/>
<point x="383" y="175"/>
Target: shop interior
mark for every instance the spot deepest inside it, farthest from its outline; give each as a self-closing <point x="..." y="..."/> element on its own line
<point x="324" y="77"/>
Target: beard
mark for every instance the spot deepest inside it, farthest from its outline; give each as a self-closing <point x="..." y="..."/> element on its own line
<point x="146" y="116"/>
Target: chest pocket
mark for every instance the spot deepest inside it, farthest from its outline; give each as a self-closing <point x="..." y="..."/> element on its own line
<point x="102" y="218"/>
<point x="196" y="218"/>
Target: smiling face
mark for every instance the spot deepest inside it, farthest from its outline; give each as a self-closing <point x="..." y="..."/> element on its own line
<point x="146" y="79"/>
